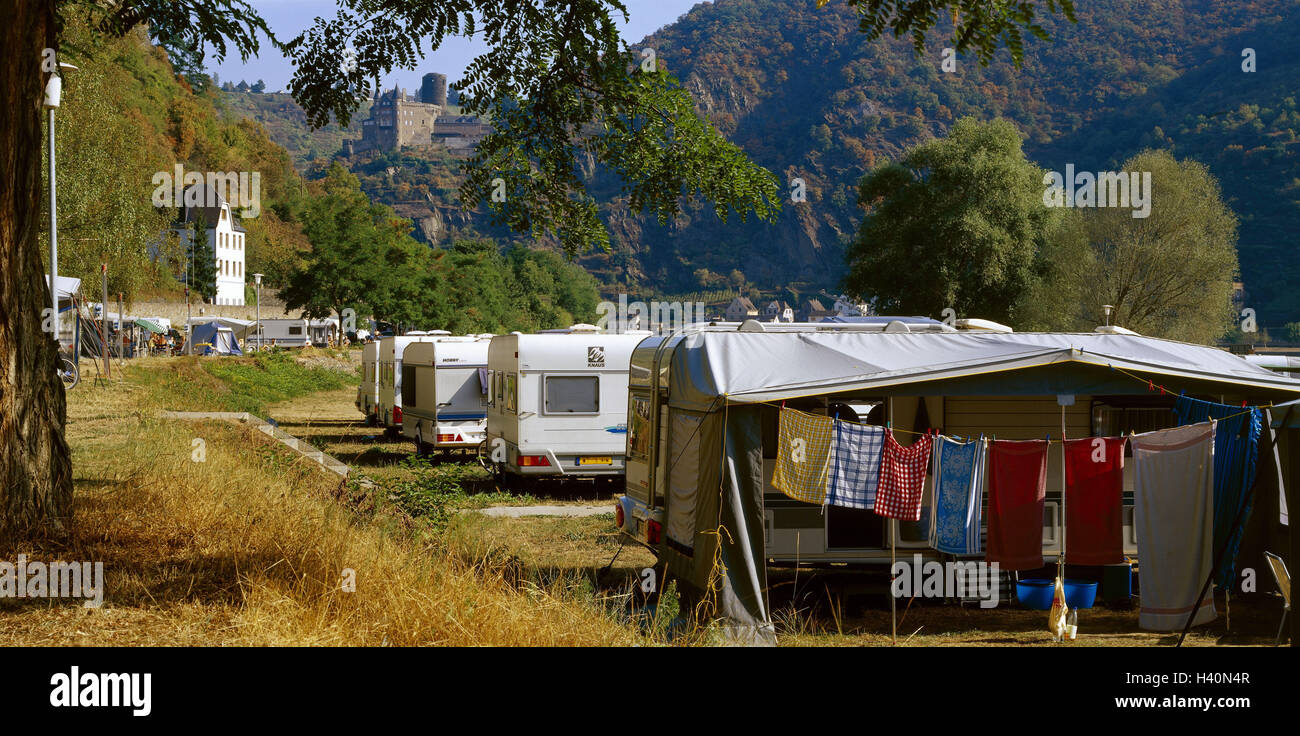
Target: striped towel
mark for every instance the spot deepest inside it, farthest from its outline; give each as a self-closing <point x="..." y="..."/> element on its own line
<point x="902" y="478"/>
<point x="958" y="493"/>
<point x="855" y="465"/>
<point x="803" y="454"/>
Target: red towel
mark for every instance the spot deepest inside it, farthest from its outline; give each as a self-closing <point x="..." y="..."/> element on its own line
<point x="1017" y="485"/>
<point x="1094" y="487"/>
<point x="902" y="478"/>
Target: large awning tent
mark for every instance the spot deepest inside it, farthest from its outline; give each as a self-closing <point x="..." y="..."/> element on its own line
<point x="212" y="338"/>
<point x="719" y="380"/>
<point x="67" y="288"/>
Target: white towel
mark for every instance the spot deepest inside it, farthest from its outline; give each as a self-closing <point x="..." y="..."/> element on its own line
<point x="1174" y="514"/>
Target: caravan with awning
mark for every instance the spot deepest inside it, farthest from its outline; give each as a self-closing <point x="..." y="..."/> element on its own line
<point x="704" y="405"/>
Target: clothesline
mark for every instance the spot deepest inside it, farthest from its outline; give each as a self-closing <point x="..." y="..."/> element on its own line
<point x="1153" y="386"/>
<point x="955" y="438"/>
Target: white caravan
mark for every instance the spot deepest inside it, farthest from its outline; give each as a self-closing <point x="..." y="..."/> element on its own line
<point x="368" y="390"/>
<point x="444" y="393"/>
<point x="283" y="333"/>
<point x="390" y="376"/>
<point x="557" y="403"/>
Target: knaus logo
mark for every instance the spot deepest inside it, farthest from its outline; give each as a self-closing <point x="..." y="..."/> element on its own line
<point x="241" y="189"/>
<point x="1102" y="189"/>
<point x="658" y="317"/>
<point x="101" y="690"/>
<point x="949" y="579"/>
<point x="596" y="356"/>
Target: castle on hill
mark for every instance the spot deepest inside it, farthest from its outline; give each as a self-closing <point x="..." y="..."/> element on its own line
<point x="399" y="120"/>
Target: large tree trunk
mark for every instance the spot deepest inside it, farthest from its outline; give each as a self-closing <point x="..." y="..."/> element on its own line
<point x="35" y="470"/>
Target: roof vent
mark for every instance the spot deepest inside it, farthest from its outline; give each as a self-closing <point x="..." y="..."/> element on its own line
<point x="751" y="325"/>
<point x="1114" y="330"/>
<point x="897" y="325"/>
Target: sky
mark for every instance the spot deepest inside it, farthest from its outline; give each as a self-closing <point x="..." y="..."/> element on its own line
<point x="287" y="18"/>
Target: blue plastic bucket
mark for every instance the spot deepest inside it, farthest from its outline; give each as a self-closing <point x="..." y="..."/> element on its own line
<point x="1035" y="594"/>
<point x="1080" y="593"/>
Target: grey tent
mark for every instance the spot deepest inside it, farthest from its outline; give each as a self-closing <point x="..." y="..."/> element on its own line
<point x="717" y="380"/>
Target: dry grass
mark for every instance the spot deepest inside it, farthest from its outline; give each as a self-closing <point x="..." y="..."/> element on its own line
<point x="249" y="546"/>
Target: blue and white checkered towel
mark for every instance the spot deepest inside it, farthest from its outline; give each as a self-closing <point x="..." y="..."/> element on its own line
<point x="855" y="465"/>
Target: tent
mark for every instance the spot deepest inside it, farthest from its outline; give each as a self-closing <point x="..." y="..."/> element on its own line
<point x="718" y="379"/>
<point x="213" y="338"/>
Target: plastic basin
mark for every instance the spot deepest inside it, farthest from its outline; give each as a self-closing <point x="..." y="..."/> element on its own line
<point x="1035" y="594"/>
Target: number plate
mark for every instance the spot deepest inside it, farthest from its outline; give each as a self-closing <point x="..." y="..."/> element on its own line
<point x="596" y="460"/>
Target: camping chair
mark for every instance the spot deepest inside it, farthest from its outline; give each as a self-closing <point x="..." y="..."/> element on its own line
<point x="1283" y="578"/>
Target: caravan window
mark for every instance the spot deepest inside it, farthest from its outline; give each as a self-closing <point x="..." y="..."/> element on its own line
<point x="572" y="394"/>
<point x="638" y="427"/>
<point x="408" y="385"/>
<point x="295" y="329"/>
<point x="492" y="388"/>
<point x="511" y="398"/>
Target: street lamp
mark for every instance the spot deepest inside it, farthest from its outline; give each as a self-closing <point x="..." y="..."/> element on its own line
<point x="53" y="94"/>
<point x="257" y="279"/>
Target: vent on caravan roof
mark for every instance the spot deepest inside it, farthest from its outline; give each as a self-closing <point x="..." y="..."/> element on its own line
<point x="583" y="327"/>
<point x="984" y="325"/>
<point x="751" y="325"/>
<point x="434" y="332"/>
<point x="414" y="333"/>
<point x="1114" y="330"/>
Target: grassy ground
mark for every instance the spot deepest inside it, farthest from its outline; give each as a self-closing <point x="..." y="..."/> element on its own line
<point x="251" y="545"/>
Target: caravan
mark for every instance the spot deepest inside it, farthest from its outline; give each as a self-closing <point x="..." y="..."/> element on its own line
<point x="389" y="368"/>
<point x="444" y="393"/>
<point x="367" y="401"/>
<point x="704" y="405"/>
<point x="557" y="403"/>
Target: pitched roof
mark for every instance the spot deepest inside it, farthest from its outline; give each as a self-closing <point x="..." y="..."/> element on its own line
<point x="211" y="215"/>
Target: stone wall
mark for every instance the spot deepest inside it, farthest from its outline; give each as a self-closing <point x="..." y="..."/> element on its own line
<point x="175" y="311"/>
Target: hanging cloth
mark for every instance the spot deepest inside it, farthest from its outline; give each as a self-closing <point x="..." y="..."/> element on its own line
<point x="1017" y="487"/>
<point x="803" y="454"/>
<point x="902" y="478"/>
<point x="1236" y="452"/>
<point x="958" y="494"/>
<point x="1173" y="502"/>
<point x="1094" y="488"/>
<point x="855" y="465"/>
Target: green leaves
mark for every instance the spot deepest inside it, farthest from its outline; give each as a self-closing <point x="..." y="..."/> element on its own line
<point x="566" y="98"/>
<point x="979" y="26"/>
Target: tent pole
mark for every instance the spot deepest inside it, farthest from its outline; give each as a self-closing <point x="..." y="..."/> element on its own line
<point x="893" y="601"/>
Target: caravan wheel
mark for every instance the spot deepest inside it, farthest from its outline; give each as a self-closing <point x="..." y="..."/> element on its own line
<point x="421" y="449"/>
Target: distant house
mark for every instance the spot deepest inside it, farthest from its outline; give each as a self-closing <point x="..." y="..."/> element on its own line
<point x="741" y="309"/>
<point x="226" y="238"/>
<point x="778" y="311"/>
<point x="845" y="307"/>
<point x="811" y="310"/>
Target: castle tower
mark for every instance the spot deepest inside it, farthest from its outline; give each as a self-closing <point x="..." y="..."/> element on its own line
<point x="433" y="89"/>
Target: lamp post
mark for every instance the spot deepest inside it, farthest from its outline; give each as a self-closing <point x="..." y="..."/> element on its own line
<point x="53" y="94"/>
<point x="257" y="279"/>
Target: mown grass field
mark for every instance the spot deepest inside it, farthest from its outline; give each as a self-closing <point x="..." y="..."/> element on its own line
<point x="251" y="545"/>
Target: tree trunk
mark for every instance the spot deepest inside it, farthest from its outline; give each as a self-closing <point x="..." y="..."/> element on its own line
<point x="35" y="469"/>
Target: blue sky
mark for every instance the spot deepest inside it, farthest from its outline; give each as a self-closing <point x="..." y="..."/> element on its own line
<point x="287" y="18"/>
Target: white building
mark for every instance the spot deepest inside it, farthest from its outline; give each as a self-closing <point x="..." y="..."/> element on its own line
<point x="226" y="237"/>
<point x="778" y="311"/>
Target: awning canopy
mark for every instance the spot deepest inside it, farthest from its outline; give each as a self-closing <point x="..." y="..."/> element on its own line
<point x="751" y="367"/>
<point x="150" y="325"/>
<point x="67" y="288"/>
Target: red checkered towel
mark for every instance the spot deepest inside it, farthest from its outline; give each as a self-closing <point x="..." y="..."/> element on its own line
<point x="902" y="478"/>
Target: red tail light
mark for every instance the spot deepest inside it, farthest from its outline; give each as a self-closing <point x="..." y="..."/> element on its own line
<point x="534" y="461"/>
<point x="397" y="415"/>
<point x="447" y="438"/>
<point x="654" y="532"/>
<point x="618" y="515"/>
